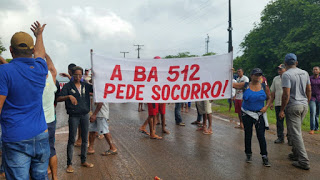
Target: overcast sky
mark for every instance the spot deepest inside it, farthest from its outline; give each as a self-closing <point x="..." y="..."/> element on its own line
<point x="109" y="26"/>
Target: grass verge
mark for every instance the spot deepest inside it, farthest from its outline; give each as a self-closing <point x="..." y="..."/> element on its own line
<point x="222" y="106"/>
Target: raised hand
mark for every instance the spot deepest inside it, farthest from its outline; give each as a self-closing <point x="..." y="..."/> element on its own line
<point x="37" y="29"/>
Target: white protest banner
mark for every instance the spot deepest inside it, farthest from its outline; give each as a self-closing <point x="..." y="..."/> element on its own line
<point x="120" y="80"/>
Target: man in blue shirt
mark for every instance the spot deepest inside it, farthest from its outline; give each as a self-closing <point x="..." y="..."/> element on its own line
<point x="24" y="129"/>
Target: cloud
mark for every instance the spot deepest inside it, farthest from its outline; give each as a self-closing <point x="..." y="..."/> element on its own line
<point x="89" y="23"/>
<point x="18" y="16"/>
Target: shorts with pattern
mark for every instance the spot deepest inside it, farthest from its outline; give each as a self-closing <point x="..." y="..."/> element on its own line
<point x="100" y="125"/>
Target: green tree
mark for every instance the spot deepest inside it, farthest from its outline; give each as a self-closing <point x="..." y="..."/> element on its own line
<point x="2" y="48"/>
<point x="181" y="55"/>
<point x="209" y="54"/>
<point x="286" y="26"/>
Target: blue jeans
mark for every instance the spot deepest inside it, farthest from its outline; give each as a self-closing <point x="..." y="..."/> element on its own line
<point x="27" y="157"/>
<point x="199" y="117"/>
<point x="74" y="122"/>
<point x="177" y="113"/>
<point x="314" y="115"/>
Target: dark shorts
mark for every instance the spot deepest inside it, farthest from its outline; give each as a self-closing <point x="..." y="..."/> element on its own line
<point x="52" y="139"/>
<point x="237" y="106"/>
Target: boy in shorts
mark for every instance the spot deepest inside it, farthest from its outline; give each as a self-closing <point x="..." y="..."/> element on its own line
<point x="98" y="124"/>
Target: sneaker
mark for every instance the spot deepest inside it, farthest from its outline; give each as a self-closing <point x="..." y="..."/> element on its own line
<point x="311" y="132"/>
<point x="298" y="165"/>
<point x="279" y="141"/>
<point x="249" y="159"/>
<point x="265" y="162"/>
<point x="292" y="157"/>
<point x="181" y="124"/>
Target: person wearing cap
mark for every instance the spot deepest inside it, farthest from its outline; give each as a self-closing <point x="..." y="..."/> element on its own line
<point x="276" y="94"/>
<point x="315" y="100"/>
<point x="254" y="113"/>
<point x="239" y="94"/>
<point x="296" y="95"/>
<point x="26" y="147"/>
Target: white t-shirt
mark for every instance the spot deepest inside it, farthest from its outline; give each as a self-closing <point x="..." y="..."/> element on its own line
<point x="233" y="92"/>
<point x="276" y="87"/>
<point x="104" y="111"/>
<point x="239" y="92"/>
<point x="48" y="98"/>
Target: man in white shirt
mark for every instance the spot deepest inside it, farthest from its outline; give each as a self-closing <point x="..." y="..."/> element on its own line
<point x="99" y="124"/>
<point x="276" y="95"/>
<point x="239" y="95"/>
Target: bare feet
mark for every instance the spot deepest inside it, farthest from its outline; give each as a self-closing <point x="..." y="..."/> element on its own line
<point x="87" y="165"/>
<point x="70" y="169"/>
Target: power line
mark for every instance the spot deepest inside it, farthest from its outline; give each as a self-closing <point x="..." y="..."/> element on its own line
<point x="124" y="54"/>
<point x="138" y="49"/>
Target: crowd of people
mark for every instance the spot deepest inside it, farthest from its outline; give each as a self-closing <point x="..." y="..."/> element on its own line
<point x="29" y="93"/>
<point x="291" y="93"/>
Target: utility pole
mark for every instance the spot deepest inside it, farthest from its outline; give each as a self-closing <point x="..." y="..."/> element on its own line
<point x="124" y="54"/>
<point x="138" y="49"/>
<point x="230" y="47"/>
<point x="207" y="42"/>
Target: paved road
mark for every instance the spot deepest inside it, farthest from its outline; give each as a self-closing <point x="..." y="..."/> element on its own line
<point x="184" y="154"/>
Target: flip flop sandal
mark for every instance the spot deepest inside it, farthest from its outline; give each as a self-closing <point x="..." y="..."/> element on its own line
<point x="70" y="170"/>
<point x="88" y="165"/>
<point x="90" y="153"/>
<point x="206" y="133"/>
<point x="156" y="137"/>
<point x="110" y="152"/>
<point x="144" y="132"/>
